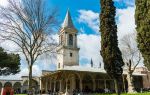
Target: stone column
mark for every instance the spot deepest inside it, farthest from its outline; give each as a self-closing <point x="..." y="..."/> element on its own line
<point x="60" y="85"/>
<point x="74" y="40"/>
<point x="46" y="85"/>
<point x="105" y="84"/>
<point x="40" y="83"/>
<point x="66" y="39"/>
<point x="73" y="84"/>
<point x="54" y="86"/>
<point x="81" y="86"/>
<point x="66" y="93"/>
<point x="50" y="84"/>
<point x="94" y="85"/>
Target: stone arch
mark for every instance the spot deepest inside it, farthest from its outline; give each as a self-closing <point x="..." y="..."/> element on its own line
<point x="34" y="85"/>
<point x="57" y="86"/>
<point x="17" y="87"/>
<point x="87" y="82"/>
<point x="8" y="87"/>
<point x="100" y="82"/>
<point x="74" y="81"/>
<point x="8" y="84"/>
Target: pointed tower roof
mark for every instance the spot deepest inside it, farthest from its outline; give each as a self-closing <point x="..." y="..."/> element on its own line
<point x="68" y="21"/>
<point x="91" y="62"/>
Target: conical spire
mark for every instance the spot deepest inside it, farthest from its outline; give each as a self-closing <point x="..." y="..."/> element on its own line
<point x="91" y="62"/>
<point x="68" y="21"/>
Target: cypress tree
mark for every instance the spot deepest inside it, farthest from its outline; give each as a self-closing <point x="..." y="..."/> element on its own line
<point x="110" y="52"/>
<point x="142" y="19"/>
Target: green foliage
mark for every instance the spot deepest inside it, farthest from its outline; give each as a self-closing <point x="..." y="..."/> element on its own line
<point x="110" y="52"/>
<point x="9" y="63"/>
<point x="142" y="19"/>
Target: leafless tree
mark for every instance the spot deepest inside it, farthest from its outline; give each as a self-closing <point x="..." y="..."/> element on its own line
<point x="30" y="25"/>
<point x="131" y="56"/>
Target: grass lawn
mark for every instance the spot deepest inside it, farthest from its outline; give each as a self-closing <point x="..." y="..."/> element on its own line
<point x="127" y="94"/>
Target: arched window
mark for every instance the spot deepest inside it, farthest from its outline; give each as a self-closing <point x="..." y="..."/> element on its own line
<point x="61" y="39"/>
<point x="70" y="39"/>
<point x="58" y="65"/>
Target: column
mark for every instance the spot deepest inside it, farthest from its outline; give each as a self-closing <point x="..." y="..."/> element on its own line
<point x="105" y="84"/>
<point x="54" y="86"/>
<point x="94" y="85"/>
<point x="66" y="39"/>
<point x="46" y="85"/>
<point x="40" y="83"/>
<point x="73" y="84"/>
<point x="50" y="84"/>
<point x="75" y="40"/>
<point x="66" y="85"/>
<point x="60" y="85"/>
<point x="81" y="86"/>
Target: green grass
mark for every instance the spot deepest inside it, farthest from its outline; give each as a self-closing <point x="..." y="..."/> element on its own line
<point x="126" y="94"/>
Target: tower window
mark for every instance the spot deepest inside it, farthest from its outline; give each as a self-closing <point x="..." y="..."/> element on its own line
<point x="58" y="65"/>
<point x="70" y="39"/>
<point x="70" y="54"/>
<point x="61" y="39"/>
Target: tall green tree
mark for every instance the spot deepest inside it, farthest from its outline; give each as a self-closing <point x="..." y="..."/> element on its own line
<point x="110" y="52"/>
<point x="142" y="19"/>
<point x="9" y="63"/>
<point x="30" y="24"/>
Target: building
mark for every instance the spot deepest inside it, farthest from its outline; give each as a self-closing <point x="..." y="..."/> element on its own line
<point x="69" y="77"/>
<point x="20" y="86"/>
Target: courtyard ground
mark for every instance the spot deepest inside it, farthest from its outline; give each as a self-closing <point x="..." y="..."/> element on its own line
<point x="105" y="94"/>
<point x="127" y="94"/>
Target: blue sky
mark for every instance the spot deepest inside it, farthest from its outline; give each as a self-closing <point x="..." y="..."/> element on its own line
<point x="76" y="5"/>
<point x="85" y="16"/>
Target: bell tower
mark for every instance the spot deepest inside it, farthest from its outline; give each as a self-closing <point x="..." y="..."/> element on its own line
<point x="68" y="52"/>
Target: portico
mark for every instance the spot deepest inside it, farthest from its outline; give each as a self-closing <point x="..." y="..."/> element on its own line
<point x="85" y="81"/>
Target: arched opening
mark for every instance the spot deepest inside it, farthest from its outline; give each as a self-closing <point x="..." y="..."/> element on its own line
<point x="99" y="80"/>
<point x="1" y="86"/>
<point x="35" y="86"/>
<point x="8" y="88"/>
<point x="87" y="84"/>
<point x="17" y="87"/>
<point x="58" y="65"/>
<point x="57" y="86"/>
<point x="73" y="83"/>
<point x="110" y="85"/>
<point x="70" y="39"/>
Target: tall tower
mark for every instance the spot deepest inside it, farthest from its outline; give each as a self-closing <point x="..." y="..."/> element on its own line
<point x="68" y="52"/>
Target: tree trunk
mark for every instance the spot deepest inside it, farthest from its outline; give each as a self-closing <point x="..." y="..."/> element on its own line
<point x="30" y="92"/>
<point x="130" y="83"/>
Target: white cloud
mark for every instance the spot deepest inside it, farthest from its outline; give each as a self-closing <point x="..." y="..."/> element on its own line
<point x="90" y="18"/>
<point x="3" y="2"/>
<point x="125" y="21"/>
<point x="89" y="48"/>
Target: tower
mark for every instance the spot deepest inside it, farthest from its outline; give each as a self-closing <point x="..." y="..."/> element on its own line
<point x="68" y="52"/>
